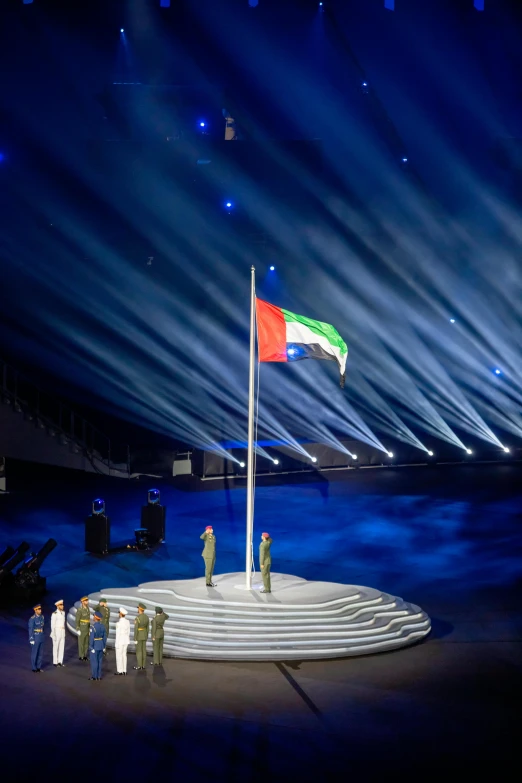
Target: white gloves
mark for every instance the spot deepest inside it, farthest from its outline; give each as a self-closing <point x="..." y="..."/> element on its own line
<point x="92" y="651"/>
<point x="79" y="632"/>
<point x="32" y="642"/>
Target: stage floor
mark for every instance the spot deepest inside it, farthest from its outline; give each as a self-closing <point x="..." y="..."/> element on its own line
<point x="447" y="706"/>
<point x="298" y="620"/>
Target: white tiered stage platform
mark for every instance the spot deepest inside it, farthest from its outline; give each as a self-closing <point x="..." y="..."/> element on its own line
<point x="299" y="620"/>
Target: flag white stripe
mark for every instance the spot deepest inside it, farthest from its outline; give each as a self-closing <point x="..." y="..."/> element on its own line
<point x="297" y="332"/>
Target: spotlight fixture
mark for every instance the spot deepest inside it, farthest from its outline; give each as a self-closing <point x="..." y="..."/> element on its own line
<point x="241" y="464"/>
<point x="153" y="497"/>
<point x="202" y="124"/>
<point x="452" y="320"/>
<point x="390" y="454"/>
<point x="354" y="456"/>
<point x="506" y="449"/>
<point x="98" y="506"/>
<point x="469" y="451"/>
<point x="272" y="268"/>
<point x="314" y="459"/>
<point x="122" y="30"/>
<point x="228" y="205"/>
<point x="430" y="453"/>
<point x="275" y="461"/>
<point x="498" y="372"/>
<point x="404" y="160"/>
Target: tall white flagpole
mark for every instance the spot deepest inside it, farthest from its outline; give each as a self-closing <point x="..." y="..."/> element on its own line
<point x="250" y="455"/>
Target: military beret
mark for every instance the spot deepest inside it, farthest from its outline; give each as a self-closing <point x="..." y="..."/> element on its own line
<point x="141" y="606"/>
<point x="208" y="527"/>
<point x="85" y="598"/>
<point x="38" y="606"/>
<point x="265" y="535"/>
<point x="102" y="601"/>
<point x="97" y="613"/>
<point x="158" y="610"/>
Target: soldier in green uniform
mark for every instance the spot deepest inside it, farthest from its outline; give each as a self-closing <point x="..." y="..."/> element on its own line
<point x="141" y="634"/>
<point x="265" y="561"/>
<point x="105" y="614"/>
<point x="157" y="635"/>
<point x="209" y="554"/>
<point x="83" y="624"/>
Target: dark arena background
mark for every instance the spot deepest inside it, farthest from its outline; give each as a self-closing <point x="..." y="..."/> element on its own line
<point x="365" y="156"/>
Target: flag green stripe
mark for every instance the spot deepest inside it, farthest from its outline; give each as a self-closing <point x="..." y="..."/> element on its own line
<point x="319" y="328"/>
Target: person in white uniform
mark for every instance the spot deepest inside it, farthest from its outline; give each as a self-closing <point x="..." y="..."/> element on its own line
<point x="122" y="642"/>
<point x="58" y="633"/>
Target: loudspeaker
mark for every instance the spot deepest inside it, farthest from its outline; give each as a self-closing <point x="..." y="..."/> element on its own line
<point x="153" y="518"/>
<point x="97" y="534"/>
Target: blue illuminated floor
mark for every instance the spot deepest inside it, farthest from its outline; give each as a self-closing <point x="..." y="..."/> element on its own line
<point x="448" y="539"/>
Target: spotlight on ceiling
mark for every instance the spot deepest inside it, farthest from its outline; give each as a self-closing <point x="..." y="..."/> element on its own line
<point x="469" y="451"/>
<point x="390" y="454"/>
<point x="354" y="456"/>
<point x="404" y="160"/>
<point x="202" y="124"/>
<point x="498" y="372"/>
<point x="272" y="268"/>
<point x="228" y="205"/>
<point x="452" y="320"/>
<point x="430" y="453"/>
<point x="241" y="464"/>
<point x="122" y="30"/>
<point x="314" y="459"/>
<point x="506" y="449"/>
<point x="275" y="461"/>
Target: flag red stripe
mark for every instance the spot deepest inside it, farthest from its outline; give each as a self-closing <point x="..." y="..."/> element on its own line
<point x="271" y="332"/>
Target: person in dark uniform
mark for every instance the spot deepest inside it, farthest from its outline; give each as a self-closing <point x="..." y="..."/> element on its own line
<point x="83" y="622"/>
<point x="141" y="634"/>
<point x="158" y="635"/>
<point x="105" y="616"/>
<point x="36" y="638"/>
<point x="209" y="554"/>
<point x="265" y="561"/>
<point x="97" y="642"/>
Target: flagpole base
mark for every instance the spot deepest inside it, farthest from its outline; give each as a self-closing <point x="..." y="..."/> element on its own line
<point x="298" y="620"/>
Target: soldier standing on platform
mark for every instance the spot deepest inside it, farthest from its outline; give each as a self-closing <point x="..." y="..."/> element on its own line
<point x="83" y="621"/>
<point x="209" y="554"/>
<point x="157" y="635"/>
<point x="141" y="634"/>
<point x="58" y="633"/>
<point x="97" y="642"/>
<point x="36" y="638"/>
<point x="105" y="615"/>
<point x="122" y="642"/>
<point x="265" y="561"/>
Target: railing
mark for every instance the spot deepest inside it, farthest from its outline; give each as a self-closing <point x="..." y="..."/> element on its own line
<point x="50" y="413"/>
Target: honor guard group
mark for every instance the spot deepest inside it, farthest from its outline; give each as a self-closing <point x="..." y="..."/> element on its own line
<point x="93" y="631"/>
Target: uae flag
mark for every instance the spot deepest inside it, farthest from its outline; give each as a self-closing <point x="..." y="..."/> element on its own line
<point x="287" y="337"/>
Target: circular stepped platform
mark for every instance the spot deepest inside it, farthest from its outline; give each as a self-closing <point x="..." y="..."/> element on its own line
<point x="299" y="620"/>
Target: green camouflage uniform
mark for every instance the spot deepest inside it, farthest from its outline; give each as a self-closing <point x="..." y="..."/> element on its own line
<point x="265" y="560"/>
<point x="105" y="613"/>
<point x="141" y="634"/>
<point x="158" y="635"/>
<point x="83" y="624"/>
